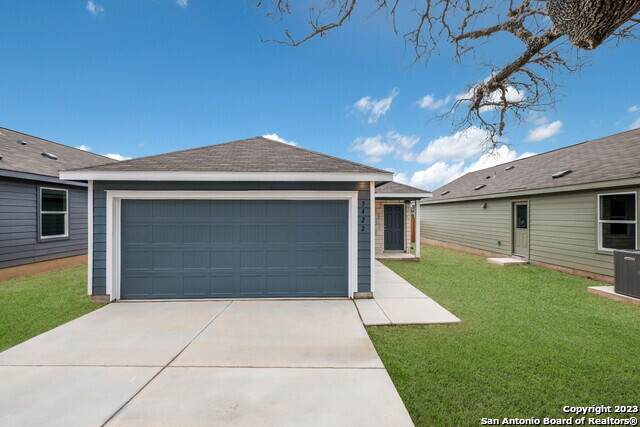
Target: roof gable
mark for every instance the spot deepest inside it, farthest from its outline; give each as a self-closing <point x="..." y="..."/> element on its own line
<point x="29" y="157"/>
<point x="256" y="154"/>
<point x="604" y="159"/>
<point x="395" y="188"/>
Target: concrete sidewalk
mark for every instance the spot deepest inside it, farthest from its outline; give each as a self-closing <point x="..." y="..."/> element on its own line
<point x="284" y="363"/>
<point x="396" y="302"/>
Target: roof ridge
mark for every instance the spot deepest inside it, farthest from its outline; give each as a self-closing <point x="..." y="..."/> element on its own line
<point x="325" y="155"/>
<point x="57" y="143"/>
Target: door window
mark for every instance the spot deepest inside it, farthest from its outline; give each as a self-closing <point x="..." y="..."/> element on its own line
<point x="521" y="216"/>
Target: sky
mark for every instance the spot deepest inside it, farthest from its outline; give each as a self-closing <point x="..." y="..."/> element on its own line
<point x="132" y="78"/>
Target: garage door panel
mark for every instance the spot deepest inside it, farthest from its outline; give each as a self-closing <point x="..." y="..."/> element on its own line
<point x="195" y="210"/>
<point x="140" y="234"/>
<point x="224" y="286"/>
<point x="170" y="234"/>
<point x="223" y="259"/>
<point x="252" y="285"/>
<point x="197" y="286"/>
<point x="253" y="234"/>
<point x="196" y="260"/>
<point x="280" y="285"/>
<point x="242" y="249"/>
<point x="278" y="259"/>
<point x="252" y="260"/>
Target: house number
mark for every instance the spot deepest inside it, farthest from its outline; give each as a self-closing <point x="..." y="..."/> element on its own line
<point x="363" y="205"/>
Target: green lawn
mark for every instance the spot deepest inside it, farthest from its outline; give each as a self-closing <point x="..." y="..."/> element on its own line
<point x="531" y="341"/>
<point x="32" y="305"/>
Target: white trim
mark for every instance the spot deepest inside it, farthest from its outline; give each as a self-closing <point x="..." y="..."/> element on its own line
<point x="65" y="213"/>
<point x="417" y="229"/>
<point x="604" y="221"/>
<point x="223" y="176"/>
<point x="114" y="198"/>
<point x="372" y="221"/>
<point x="403" y="195"/>
<point x="90" y="238"/>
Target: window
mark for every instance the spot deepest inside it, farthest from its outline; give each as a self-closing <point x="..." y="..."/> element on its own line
<point x="53" y="213"/>
<point x="617" y="221"/>
<point x="521" y="216"/>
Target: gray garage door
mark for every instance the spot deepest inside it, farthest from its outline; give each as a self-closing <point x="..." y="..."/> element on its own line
<point x="224" y="248"/>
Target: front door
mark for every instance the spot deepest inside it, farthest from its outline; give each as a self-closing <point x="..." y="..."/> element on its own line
<point x="394" y="227"/>
<point x="521" y="229"/>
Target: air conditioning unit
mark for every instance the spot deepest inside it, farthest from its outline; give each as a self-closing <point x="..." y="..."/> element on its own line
<point x="626" y="265"/>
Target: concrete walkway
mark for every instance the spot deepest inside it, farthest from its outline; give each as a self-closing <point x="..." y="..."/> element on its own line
<point x="396" y="302"/>
<point x="280" y="363"/>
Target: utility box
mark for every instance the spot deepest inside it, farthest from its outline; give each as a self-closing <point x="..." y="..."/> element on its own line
<point x="626" y="265"/>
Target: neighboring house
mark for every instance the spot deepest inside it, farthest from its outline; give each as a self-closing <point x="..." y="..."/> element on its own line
<point x="249" y="218"/>
<point x="42" y="218"/>
<point x="566" y="209"/>
<point x="395" y="204"/>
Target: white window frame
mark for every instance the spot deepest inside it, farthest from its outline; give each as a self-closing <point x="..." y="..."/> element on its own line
<point x="42" y="212"/>
<point x="113" y="234"/>
<point x="601" y="221"/>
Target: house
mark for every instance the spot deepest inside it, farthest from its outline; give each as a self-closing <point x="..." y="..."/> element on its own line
<point x="43" y="223"/>
<point x="250" y="218"/>
<point x="566" y="209"/>
<point x="394" y="206"/>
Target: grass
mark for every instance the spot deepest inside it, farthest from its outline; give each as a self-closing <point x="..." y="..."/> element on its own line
<point x="32" y="305"/>
<point x="531" y="341"/>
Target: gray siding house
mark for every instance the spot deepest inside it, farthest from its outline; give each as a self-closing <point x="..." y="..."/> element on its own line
<point x="249" y="218"/>
<point x="42" y="218"/>
<point x="566" y="209"/>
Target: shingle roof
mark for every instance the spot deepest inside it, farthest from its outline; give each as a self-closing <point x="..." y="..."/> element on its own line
<point x="604" y="159"/>
<point x="397" y="188"/>
<point x="29" y="158"/>
<point x="256" y="154"/>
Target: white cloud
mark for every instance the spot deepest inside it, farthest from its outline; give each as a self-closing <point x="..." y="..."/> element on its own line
<point x="436" y="175"/>
<point x="115" y="156"/>
<point x="83" y="147"/>
<point x="430" y="102"/>
<point x="375" y="147"/>
<point x="635" y="124"/>
<point x="182" y="3"/>
<point x="459" y="146"/>
<point x="402" y="178"/>
<point x="633" y="109"/>
<point x="544" y="131"/>
<point x="275" y="137"/>
<point x="441" y="172"/>
<point x="500" y="155"/>
<point x="376" y="107"/>
<point x="96" y="9"/>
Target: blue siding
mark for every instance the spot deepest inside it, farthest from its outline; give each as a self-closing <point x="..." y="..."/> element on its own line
<point x="19" y="243"/>
<point x="99" y="218"/>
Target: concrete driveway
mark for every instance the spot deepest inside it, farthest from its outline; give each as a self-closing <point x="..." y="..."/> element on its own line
<point x="202" y="363"/>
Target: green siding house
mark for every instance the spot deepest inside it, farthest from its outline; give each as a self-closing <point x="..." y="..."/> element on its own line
<point x="566" y="209"/>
